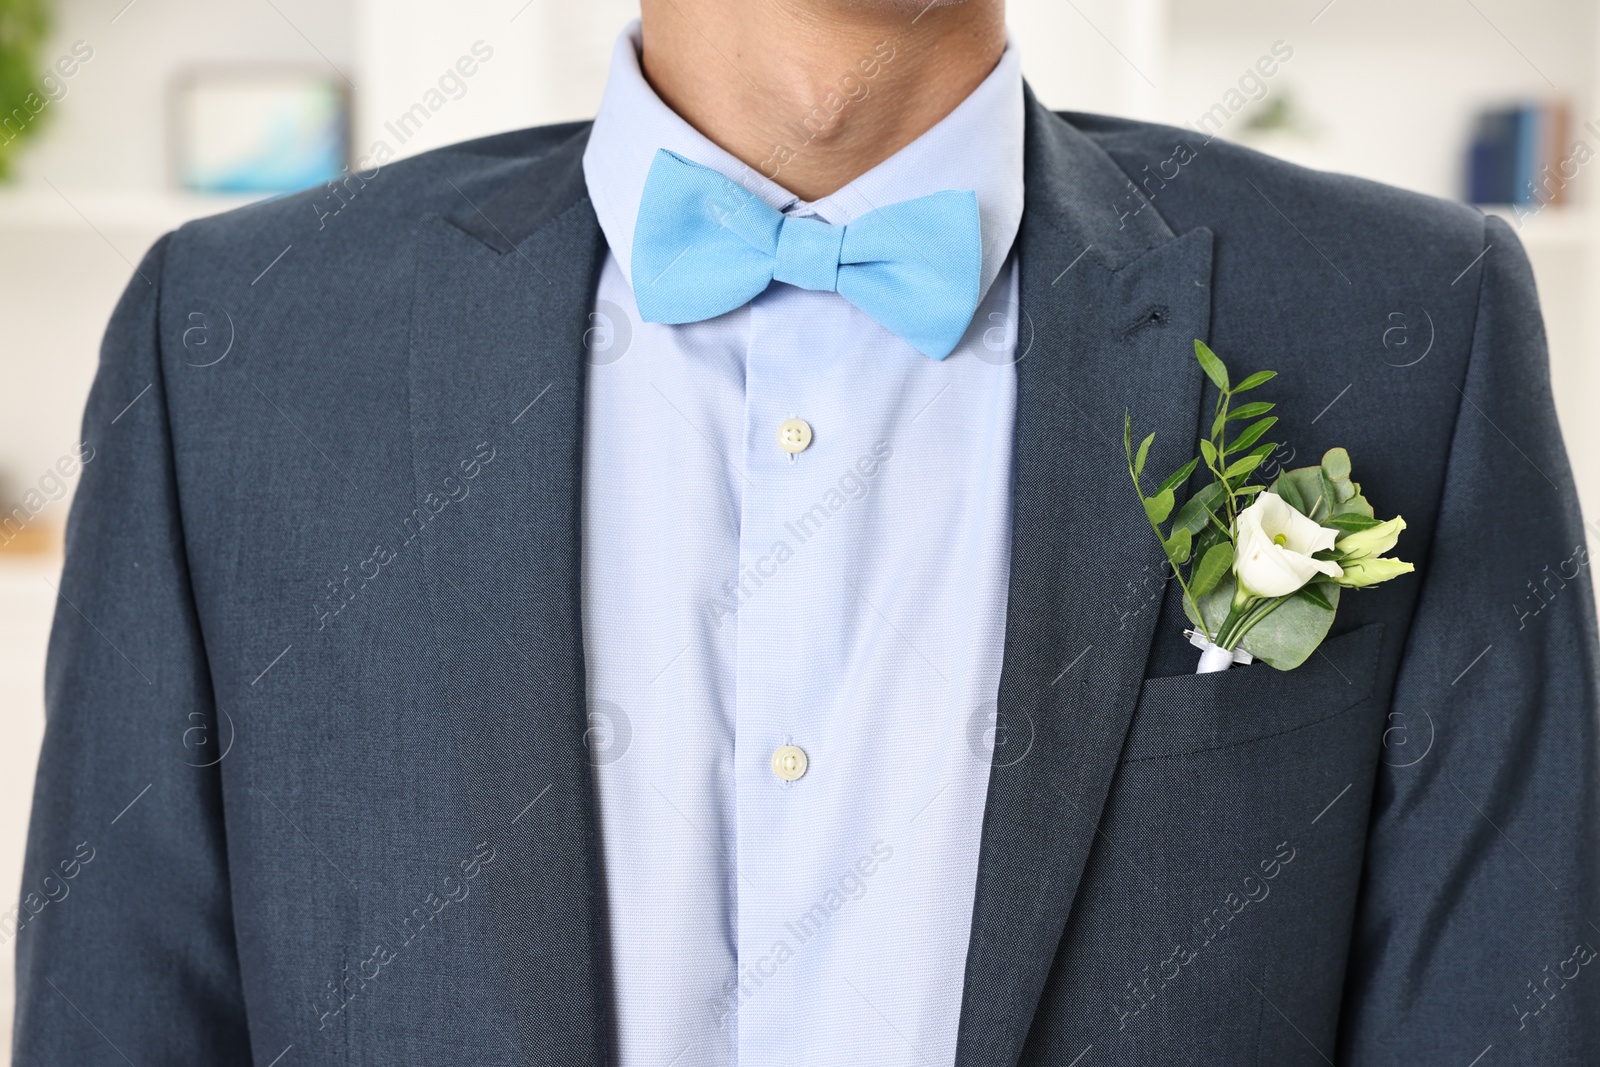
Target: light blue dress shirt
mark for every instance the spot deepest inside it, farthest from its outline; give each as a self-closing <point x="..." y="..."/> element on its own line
<point x="847" y="600"/>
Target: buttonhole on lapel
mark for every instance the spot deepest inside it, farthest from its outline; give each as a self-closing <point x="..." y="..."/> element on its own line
<point x="1155" y="315"/>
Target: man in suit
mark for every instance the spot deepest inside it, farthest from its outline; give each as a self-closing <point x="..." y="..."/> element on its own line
<point x="666" y="590"/>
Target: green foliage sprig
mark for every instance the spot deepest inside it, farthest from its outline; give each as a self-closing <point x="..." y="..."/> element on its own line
<point x="1202" y="529"/>
<point x="1311" y="535"/>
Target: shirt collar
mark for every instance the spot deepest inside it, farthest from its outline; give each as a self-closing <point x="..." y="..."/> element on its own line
<point x="977" y="146"/>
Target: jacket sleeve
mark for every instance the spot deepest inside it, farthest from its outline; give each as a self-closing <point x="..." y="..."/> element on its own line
<point x="124" y="933"/>
<point x="1479" y="923"/>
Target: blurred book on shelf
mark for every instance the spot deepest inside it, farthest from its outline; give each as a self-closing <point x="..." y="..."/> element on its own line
<point x="1525" y="155"/>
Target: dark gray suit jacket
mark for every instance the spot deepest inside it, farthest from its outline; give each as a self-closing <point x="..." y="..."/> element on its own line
<point x="316" y="685"/>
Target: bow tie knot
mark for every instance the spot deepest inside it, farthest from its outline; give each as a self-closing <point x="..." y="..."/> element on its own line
<point x="704" y="245"/>
<point x="808" y="254"/>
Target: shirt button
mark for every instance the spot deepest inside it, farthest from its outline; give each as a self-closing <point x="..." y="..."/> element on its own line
<point x="794" y="436"/>
<point x="789" y="762"/>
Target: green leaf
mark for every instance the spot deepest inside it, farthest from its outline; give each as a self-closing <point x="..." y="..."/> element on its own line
<point x="1250" y="411"/>
<point x="1177" y="546"/>
<point x="1217" y="561"/>
<point x="1211" y="365"/>
<point x="1252" y="434"/>
<point x="1209" y="451"/>
<point x="1311" y="593"/>
<point x="1158" y="507"/>
<point x="1329" y="496"/>
<point x="1284" y="486"/>
<point x="1351" y="523"/>
<point x="1247" y="490"/>
<point x="1179" y="476"/>
<point x="1260" y="377"/>
<point x="1127" y="434"/>
<point x="1196" y="511"/>
<point x="1144" y="452"/>
<point x="1316" y="493"/>
<point x="1243" y="466"/>
<point x="1208" y="536"/>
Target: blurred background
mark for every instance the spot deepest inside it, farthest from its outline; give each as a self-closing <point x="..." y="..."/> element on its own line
<point x="121" y="119"/>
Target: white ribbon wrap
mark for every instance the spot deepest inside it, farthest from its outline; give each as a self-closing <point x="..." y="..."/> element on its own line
<point x="1215" y="658"/>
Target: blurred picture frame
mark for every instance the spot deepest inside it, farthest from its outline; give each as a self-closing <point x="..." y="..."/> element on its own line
<point x="258" y="128"/>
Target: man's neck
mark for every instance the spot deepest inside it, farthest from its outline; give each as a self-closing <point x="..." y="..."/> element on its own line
<point x="815" y="93"/>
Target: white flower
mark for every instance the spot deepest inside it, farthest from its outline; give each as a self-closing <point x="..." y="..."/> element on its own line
<point x="1272" y="553"/>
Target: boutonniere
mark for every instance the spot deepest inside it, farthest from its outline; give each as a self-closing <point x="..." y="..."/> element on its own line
<point x="1261" y="566"/>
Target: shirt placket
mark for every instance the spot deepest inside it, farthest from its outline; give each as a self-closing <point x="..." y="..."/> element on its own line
<point x="795" y="437"/>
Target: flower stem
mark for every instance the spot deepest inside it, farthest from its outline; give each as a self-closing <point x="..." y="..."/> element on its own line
<point x="1267" y="608"/>
<point x="1241" y="621"/>
<point x="1241" y="604"/>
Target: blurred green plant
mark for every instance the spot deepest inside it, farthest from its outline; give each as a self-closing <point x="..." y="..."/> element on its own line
<point x="24" y="25"/>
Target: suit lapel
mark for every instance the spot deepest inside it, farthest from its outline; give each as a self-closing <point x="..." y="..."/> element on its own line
<point x="1112" y="301"/>
<point x="502" y="298"/>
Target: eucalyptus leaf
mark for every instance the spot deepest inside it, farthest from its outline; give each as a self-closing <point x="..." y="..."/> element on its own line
<point x="1287" y="638"/>
<point x="1356" y="504"/>
<point x="1211" y="365"/>
<point x="1336" y="464"/>
<point x="1335" y="469"/>
<point x="1320" y="496"/>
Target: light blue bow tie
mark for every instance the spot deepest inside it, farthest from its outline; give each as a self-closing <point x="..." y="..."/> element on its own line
<point x="704" y="245"/>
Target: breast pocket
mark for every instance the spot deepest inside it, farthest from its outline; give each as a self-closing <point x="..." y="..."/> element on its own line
<point x="1201" y="712"/>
